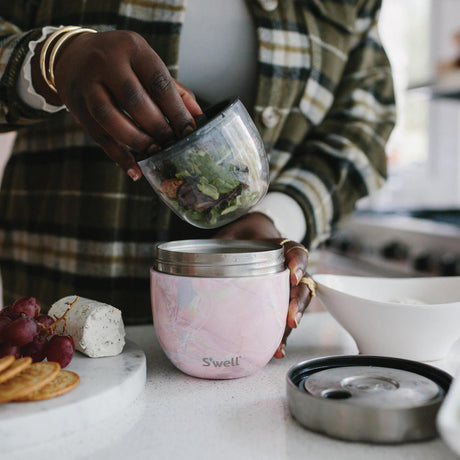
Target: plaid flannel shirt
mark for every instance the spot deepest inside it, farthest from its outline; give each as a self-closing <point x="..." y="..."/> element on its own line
<point x="72" y="222"/>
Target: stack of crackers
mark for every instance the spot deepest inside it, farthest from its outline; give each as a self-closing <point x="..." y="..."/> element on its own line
<point x="22" y="380"/>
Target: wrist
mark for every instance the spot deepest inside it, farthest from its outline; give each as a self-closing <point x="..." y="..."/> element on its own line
<point x="38" y="82"/>
<point x="45" y="58"/>
<point x="48" y="63"/>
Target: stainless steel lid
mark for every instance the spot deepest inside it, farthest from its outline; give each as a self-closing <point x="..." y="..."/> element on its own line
<point x="218" y="258"/>
<point x="367" y="398"/>
<point x="373" y="386"/>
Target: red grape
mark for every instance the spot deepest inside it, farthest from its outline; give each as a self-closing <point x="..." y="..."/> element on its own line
<point x="20" y="331"/>
<point x="4" y="321"/>
<point x="7" y="350"/>
<point x="60" y="349"/>
<point x="35" y="349"/>
<point x="26" y="332"/>
<point x="30" y="306"/>
<point x="71" y="341"/>
<point x="44" y="321"/>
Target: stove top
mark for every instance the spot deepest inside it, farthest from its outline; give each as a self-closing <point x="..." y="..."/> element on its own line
<point x="449" y="216"/>
<point x="409" y="243"/>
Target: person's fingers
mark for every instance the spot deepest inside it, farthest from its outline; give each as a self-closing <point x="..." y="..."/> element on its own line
<point x="116" y="124"/>
<point x="299" y="299"/>
<point x="189" y="99"/>
<point x="296" y="258"/>
<point x="281" y="350"/>
<point x="123" y="95"/>
<point x="119" y="153"/>
<point x="133" y="98"/>
<point x="156" y="79"/>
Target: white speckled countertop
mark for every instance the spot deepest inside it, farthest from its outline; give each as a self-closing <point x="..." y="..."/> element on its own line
<point x="181" y="417"/>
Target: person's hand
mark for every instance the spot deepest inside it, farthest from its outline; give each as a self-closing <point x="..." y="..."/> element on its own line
<point x="121" y="92"/>
<point x="257" y="226"/>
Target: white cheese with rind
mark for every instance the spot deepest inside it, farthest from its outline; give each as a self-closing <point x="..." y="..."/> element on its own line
<point x="97" y="328"/>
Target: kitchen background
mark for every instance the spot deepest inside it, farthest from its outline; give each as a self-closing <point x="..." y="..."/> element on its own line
<point x="422" y="38"/>
<point x="411" y="227"/>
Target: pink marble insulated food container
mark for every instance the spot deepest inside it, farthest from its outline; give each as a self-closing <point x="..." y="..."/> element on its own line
<point x="219" y="306"/>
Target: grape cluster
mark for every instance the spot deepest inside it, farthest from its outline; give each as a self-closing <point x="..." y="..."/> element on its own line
<point x="24" y="331"/>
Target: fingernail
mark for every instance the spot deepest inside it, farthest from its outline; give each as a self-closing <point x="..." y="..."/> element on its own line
<point x="134" y="174"/>
<point x="298" y="275"/>
<point x="188" y="130"/>
<point x="283" y="350"/>
<point x="169" y="143"/>
<point x="298" y="318"/>
<point x="152" y="149"/>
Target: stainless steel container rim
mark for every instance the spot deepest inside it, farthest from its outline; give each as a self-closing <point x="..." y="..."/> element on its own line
<point x="342" y="419"/>
<point x="217" y="257"/>
<point x="297" y="373"/>
<point x="203" y="247"/>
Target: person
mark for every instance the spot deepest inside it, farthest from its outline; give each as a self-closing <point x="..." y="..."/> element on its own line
<point x="75" y="214"/>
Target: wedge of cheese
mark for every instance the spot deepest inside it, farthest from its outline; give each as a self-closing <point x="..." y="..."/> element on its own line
<point x="97" y="328"/>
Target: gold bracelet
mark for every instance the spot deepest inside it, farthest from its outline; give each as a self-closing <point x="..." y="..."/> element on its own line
<point x="44" y="51"/>
<point x="298" y="247"/>
<point x="286" y="240"/>
<point x="56" y="48"/>
<point x="308" y="281"/>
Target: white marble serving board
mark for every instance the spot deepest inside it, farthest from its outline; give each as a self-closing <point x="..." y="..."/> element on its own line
<point x="107" y="385"/>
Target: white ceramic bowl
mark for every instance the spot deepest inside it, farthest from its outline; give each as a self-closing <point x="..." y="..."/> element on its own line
<point x="385" y="316"/>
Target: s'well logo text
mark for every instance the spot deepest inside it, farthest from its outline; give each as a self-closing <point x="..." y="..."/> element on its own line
<point x="225" y="363"/>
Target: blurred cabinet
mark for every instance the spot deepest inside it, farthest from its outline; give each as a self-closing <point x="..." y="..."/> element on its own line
<point x="443" y="167"/>
<point x="424" y="149"/>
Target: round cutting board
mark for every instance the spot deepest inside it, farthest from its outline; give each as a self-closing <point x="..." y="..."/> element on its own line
<point x="107" y="385"/>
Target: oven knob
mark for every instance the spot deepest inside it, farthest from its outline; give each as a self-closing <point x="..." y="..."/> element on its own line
<point x="340" y="243"/>
<point x="395" y="251"/>
<point x="449" y="265"/>
<point x="424" y="262"/>
<point x="345" y="244"/>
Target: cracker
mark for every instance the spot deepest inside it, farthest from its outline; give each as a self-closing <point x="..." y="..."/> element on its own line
<point x="34" y="377"/>
<point x="15" y="368"/>
<point x="5" y="362"/>
<point x="62" y="383"/>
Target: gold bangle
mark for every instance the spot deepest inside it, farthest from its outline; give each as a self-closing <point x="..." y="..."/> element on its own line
<point x="44" y="51"/>
<point x="58" y="45"/>
<point x="286" y="240"/>
<point x="297" y="246"/>
<point x="308" y="281"/>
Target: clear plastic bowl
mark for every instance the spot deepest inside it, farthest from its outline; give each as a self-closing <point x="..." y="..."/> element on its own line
<point x="217" y="173"/>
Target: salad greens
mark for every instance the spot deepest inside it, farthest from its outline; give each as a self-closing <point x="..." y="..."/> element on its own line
<point x="203" y="187"/>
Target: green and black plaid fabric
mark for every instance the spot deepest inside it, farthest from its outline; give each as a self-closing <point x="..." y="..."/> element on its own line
<point x="72" y="222"/>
